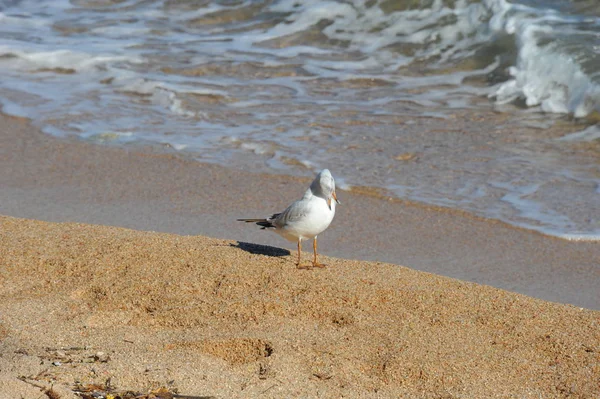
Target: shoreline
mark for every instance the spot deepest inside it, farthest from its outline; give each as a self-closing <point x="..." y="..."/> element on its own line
<point x="144" y="188"/>
<point x="88" y="306"/>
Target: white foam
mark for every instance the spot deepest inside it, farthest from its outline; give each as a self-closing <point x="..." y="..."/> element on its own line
<point x="258" y="148"/>
<point x="584" y="237"/>
<point x="545" y="75"/>
<point x="246" y="104"/>
<point x="166" y="95"/>
<point x="588" y="134"/>
<point x="310" y="165"/>
<point x="342" y="184"/>
<point x="179" y="147"/>
<point x="112" y="137"/>
<point x="67" y="59"/>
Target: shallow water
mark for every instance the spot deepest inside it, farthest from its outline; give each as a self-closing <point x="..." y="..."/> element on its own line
<point x="454" y="103"/>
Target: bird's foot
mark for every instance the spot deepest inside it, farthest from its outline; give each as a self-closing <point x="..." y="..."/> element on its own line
<point x="310" y="267"/>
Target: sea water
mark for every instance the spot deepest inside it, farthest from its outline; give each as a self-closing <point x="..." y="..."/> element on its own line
<point x="488" y="106"/>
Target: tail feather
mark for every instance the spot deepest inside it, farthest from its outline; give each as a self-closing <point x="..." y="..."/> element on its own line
<point x="264" y="223"/>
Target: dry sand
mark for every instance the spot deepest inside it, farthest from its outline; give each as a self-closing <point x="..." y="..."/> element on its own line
<point x="209" y="317"/>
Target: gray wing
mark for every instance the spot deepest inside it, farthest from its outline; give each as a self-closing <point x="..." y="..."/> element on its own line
<point x="294" y="212"/>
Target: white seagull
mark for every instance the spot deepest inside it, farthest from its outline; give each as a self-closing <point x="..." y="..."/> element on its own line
<point x="306" y="218"/>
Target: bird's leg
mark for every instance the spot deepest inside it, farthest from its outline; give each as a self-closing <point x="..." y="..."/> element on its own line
<point x="300" y="257"/>
<point x="315" y="262"/>
<point x="299" y="252"/>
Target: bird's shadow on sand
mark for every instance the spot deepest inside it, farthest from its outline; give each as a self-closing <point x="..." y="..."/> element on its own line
<point x="258" y="249"/>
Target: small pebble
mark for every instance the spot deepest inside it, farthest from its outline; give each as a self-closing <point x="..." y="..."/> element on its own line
<point x="101" y="357"/>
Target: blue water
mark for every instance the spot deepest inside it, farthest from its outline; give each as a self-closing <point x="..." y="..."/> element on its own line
<point x="486" y="106"/>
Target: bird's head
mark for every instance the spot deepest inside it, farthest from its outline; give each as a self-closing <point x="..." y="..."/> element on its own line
<point x="324" y="185"/>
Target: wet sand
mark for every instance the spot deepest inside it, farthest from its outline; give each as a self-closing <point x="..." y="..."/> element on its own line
<point x="86" y="305"/>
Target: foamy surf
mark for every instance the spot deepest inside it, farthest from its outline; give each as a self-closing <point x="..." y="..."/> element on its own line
<point x="280" y="86"/>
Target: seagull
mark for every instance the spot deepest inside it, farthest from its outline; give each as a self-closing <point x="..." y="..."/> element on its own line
<point x="306" y="218"/>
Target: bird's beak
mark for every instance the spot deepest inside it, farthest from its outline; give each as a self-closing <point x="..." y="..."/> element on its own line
<point x="329" y="200"/>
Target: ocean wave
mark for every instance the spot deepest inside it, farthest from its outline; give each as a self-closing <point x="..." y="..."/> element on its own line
<point x="354" y="82"/>
<point x="547" y="56"/>
<point x="550" y="49"/>
<point x="550" y="70"/>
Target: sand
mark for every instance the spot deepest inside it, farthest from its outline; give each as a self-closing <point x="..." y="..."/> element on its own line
<point x="86" y="305"/>
<point x="149" y="188"/>
<point x="209" y="317"/>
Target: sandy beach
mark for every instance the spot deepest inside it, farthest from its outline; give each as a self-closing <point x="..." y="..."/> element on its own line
<point x="92" y="305"/>
<point x="161" y="305"/>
